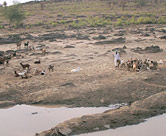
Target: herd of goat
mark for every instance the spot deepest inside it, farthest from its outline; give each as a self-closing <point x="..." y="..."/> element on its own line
<point x="4" y="59"/>
<point x="138" y="64"/>
<point x="131" y="65"/>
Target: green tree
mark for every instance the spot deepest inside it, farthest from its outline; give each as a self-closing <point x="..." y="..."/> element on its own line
<point x="14" y="15"/>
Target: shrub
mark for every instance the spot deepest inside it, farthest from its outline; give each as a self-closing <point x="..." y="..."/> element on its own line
<point x="14" y="15"/>
<point x="161" y="20"/>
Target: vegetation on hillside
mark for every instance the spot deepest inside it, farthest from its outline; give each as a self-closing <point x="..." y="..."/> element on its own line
<point x="14" y="15"/>
<point x="90" y="13"/>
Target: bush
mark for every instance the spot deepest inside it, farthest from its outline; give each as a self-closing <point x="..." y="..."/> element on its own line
<point x="14" y="15"/>
<point x="146" y="20"/>
<point x="161" y="20"/>
<point x="1" y="26"/>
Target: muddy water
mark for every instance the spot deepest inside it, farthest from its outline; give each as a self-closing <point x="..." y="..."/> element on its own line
<point x="25" y="120"/>
<point x="155" y="126"/>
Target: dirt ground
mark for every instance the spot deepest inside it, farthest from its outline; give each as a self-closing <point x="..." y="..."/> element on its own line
<point x="98" y="83"/>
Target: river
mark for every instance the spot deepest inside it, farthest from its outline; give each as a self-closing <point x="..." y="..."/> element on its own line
<point x="26" y="120"/>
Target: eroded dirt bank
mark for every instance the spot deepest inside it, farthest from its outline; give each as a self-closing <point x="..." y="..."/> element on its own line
<point x="127" y="115"/>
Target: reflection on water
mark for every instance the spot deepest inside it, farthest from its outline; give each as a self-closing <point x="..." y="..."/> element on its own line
<point x="155" y="126"/>
<point x="24" y="120"/>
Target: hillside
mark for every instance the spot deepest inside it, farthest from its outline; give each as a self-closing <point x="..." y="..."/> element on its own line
<point x="96" y="13"/>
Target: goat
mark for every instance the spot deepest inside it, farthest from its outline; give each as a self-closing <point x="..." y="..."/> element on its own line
<point x="18" y="45"/>
<point x="16" y="74"/>
<point x="43" y="51"/>
<point x="118" y="63"/>
<point x="22" y="74"/>
<point x="2" y="60"/>
<point x="51" y="67"/>
<point x="26" y="44"/>
<point x="154" y="65"/>
<point x="37" y="72"/>
<point x="37" y="62"/>
<point x="24" y="66"/>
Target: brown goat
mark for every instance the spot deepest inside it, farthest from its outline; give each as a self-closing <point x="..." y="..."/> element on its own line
<point x="51" y="67"/>
<point x="24" y="66"/>
<point x="18" y="45"/>
<point x="2" y="60"/>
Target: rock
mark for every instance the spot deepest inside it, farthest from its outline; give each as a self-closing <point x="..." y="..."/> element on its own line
<point x="100" y="37"/>
<point x="11" y="52"/>
<point x="52" y="36"/>
<point x="82" y="37"/>
<point x="96" y="129"/>
<point x="107" y="126"/>
<point x="162" y="30"/>
<point x="151" y="49"/>
<point x="120" y="50"/>
<point x="113" y="41"/>
<point x="56" y="52"/>
<point x="65" y="131"/>
<point x="33" y="113"/>
<point x="124" y="47"/>
<point x="69" y="46"/>
<point x="163" y="37"/>
<point x="81" y="16"/>
<point x="119" y="34"/>
<point x="35" y="54"/>
<point x="2" y="53"/>
<point x="69" y="84"/>
<point x="145" y="34"/>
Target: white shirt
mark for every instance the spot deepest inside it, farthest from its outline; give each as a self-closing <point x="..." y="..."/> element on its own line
<point x="117" y="56"/>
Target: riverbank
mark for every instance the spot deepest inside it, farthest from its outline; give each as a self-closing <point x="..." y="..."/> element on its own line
<point x="97" y="83"/>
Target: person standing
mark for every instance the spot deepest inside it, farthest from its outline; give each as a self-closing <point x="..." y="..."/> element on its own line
<point x="116" y="59"/>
